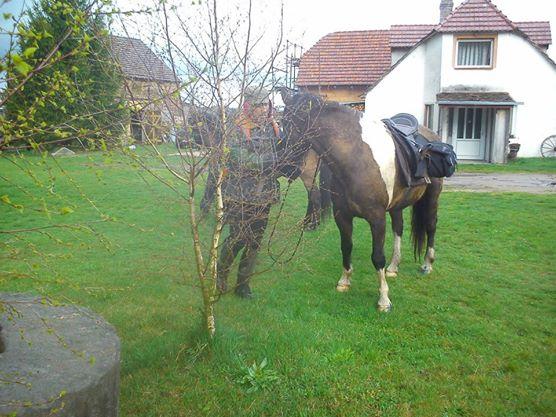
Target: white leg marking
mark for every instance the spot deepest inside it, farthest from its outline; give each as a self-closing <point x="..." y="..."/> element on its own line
<point x="392" y="270"/>
<point x="345" y="281"/>
<point x="384" y="303"/>
<point x="429" y="259"/>
<point x="381" y="143"/>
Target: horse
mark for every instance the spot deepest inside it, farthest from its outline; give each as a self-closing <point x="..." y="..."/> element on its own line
<point x="204" y="128"/>
<point x="365" y="183"/>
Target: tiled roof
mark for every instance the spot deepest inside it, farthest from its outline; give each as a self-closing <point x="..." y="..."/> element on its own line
<point x="405" y="36"/>
<point x="346" y="58"/>
<point x="468" y="96"/>
<point x="138" y="61"/>
<point x="538" y="32"/>
<point x="476" y="16"/>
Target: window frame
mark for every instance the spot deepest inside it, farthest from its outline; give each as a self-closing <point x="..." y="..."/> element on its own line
<point x="475" y="38"/>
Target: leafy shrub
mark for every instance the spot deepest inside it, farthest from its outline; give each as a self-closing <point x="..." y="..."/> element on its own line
<point x="258" y="377"/>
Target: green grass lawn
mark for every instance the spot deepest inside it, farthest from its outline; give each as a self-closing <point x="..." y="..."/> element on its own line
<point x="475" y="338"/>
<point x="529" y="165"/>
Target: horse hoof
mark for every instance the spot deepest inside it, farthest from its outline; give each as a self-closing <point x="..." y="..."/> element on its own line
<point x="391" y="274"/>
<point x="426" y="269"/>
<point x="385" y="308"/>
<point x="342" y="288"/>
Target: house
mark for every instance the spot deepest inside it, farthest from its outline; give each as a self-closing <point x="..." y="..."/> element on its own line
<point x="477" y="78"/>
<point x="150" y="89"/>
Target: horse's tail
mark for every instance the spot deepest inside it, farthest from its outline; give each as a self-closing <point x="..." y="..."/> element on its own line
<point x="420" y="218"/>
<point x="325" y="182"/>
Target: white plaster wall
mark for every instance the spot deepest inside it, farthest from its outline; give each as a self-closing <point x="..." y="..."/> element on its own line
<point x="433" y="55"/>
<point x="414" y="82"/>
<point x="525" y="74"/>
<point x="400" y="91"/>
<point x="398" y="53"/>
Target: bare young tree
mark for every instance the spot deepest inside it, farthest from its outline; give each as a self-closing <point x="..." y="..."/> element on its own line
<point x="217" y="53"/>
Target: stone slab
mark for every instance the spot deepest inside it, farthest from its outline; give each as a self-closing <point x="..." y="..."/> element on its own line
<point x="57" y="357"/>
<point x="63" y="152"/>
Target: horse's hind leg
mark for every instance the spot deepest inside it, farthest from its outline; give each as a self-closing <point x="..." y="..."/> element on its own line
<point x="345" y="225"/>
<point x="378" y="230"/>
<point x="397" y="229"/>
<point x="426" y="268"/>
<point x="432" y="195"/>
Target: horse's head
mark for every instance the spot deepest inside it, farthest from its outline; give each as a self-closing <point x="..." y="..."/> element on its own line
<point x="298" y="121"/>
<point x="300" y="109"/>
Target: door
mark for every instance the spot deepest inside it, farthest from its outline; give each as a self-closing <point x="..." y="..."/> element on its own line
<point x="469" y="132"/>
<point x="136" y="126"/>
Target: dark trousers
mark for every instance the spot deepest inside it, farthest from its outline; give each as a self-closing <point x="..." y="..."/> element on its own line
<point x="247" y="226"/>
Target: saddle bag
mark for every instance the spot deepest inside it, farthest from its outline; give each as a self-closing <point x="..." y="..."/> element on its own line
<point x="441" y="159"/>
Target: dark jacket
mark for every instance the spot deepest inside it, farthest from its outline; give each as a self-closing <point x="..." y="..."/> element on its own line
<point x="252" y="169"/>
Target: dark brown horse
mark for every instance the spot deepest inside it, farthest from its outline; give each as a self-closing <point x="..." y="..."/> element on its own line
<point x="365" y="181"/>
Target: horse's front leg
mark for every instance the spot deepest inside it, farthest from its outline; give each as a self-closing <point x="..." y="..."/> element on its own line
<point x="378" y="230"/>
<point x="345" y="225"/>
<point x="312" y="217"/>
<point x="397" y="229"/>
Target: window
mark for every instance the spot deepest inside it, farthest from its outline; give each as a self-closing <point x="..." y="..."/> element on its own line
<point x="474" y="53"/>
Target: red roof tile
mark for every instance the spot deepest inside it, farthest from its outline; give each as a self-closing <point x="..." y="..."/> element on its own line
<point x="346" y="58"/>
<point x="405" y="36"/>
<point x="538" y="32"/>
<point x="476" y="16"/>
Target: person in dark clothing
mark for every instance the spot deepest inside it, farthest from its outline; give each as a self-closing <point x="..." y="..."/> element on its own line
<point x="250" y="187"/>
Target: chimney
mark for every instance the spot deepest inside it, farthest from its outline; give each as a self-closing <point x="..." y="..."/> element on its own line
<point x="446" y="7"/>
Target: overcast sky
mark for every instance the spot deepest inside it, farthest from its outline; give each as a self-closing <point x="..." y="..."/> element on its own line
<point x="306" y="21"/>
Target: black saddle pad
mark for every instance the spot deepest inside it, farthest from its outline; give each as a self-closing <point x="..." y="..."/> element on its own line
<point x="405" y="123"/>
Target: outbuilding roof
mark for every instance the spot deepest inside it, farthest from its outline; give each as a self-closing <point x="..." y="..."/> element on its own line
<point x="138" y="61"/>
<point x="347" y="58"/>
<point x="405" y="36"/>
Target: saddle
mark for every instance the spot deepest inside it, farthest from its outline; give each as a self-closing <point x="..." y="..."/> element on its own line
<point x="418" y="158"/>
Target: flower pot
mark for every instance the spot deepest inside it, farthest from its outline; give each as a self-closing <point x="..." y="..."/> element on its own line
<point x="514" y="149"/>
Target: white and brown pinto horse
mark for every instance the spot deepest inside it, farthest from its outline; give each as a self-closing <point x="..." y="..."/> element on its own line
<point x="365" y="181"/>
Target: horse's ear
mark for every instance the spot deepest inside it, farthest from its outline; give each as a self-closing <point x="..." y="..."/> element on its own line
<point x="286" y="94"/>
